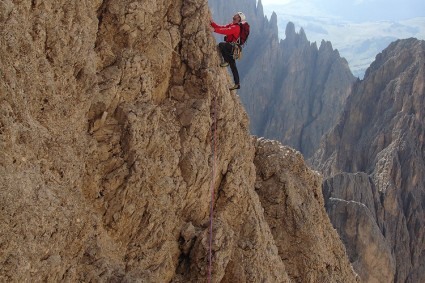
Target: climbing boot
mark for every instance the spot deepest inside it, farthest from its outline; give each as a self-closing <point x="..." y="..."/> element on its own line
<point x="224" y="64"/>
<point x="237" y="86"/>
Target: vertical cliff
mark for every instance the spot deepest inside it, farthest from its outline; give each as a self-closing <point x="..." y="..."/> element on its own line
<point x="107" y="113"/>
<point x="379" y="212"/>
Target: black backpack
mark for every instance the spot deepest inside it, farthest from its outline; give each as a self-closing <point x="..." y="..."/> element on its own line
<point x="243" y="37"/>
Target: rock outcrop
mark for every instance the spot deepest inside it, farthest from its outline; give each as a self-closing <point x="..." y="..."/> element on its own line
<point x="292" y="89"/>
<point x="294" y="209"/>
<point x="107" y="111"/>
<point x="380" y="212"/>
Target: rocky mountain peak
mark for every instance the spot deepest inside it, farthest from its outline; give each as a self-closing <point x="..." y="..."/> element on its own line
<point x="303" y="35"/>
<point x="392" y="51"/>
<point x="290" y="30"/>
<point x="326" y="46"/>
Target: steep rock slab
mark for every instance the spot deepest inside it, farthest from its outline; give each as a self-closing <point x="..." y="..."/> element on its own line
<point x="293" y="206"/>
<point x="48" y="77"/>
<point x="106" y="148"/>
<point x="166" y="119"/>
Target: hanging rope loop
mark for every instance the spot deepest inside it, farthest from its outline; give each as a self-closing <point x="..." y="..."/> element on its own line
<point x="214" y="153"/>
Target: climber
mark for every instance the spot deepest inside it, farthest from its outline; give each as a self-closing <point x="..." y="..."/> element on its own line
<point x="232" y="33"/>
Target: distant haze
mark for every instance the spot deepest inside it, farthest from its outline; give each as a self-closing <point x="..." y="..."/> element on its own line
<point x="363" y="10"/>
<point x="359" y="29"/>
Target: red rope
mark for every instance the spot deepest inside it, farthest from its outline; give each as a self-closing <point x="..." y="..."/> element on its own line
<point x="212" y="188"/>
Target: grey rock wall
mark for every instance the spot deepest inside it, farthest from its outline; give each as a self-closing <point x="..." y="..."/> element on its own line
<point x="381" y="133"/>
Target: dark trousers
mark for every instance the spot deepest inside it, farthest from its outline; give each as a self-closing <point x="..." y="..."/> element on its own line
<point x="226" y="50"/>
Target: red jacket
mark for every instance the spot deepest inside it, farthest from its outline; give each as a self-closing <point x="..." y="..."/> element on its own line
<point x="231" y="31"/>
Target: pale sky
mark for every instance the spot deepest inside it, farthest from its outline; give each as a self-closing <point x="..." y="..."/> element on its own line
<point x="359" y="10"/>
<point x="359" y="29"/>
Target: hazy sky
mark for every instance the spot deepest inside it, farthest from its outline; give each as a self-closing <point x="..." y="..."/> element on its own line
<point x="358" y="10"/>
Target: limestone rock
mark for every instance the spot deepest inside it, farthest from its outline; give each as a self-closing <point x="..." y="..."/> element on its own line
<point x="108" y="149"/>
<point x="294" y="208"/>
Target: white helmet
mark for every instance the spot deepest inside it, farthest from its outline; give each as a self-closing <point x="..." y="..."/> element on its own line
<point x="242" y="15"/>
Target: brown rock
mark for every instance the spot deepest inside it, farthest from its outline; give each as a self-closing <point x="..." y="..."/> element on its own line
<point x="293" y="206"/>
<point x="107" y="155"/>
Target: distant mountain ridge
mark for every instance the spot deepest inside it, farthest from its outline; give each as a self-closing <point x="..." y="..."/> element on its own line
<point x="356" y="37"/>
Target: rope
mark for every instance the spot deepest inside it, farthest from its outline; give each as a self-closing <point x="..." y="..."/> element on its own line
<point x="214" y="129"/>
<point x="172" y="50"/>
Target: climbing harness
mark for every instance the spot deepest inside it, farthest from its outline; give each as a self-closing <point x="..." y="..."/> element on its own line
<point x="236" y="51"/>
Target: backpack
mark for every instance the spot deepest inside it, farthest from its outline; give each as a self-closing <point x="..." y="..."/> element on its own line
<point x="243" y="37"/>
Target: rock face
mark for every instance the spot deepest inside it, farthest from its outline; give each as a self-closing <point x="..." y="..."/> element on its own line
<point x="350" y="203"/>
<point x="107" y="154"/>
<point x="293" y="91"/>
<point x="381" y="133"/>
<point x="294" y="209"/>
